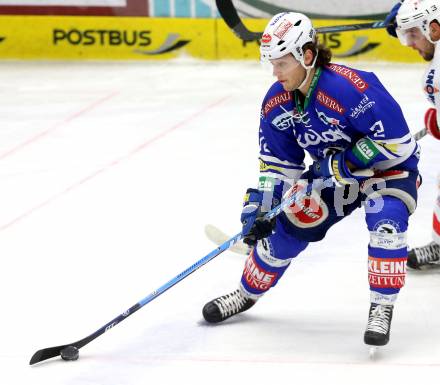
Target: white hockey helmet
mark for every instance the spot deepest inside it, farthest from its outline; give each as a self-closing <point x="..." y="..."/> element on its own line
<point x="287" y="32"/>
<point x="415" y="14"/>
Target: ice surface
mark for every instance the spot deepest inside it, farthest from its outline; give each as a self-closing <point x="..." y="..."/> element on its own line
<point x="109" y="173"/>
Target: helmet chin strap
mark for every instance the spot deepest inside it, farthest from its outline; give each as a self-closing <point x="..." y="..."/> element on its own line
<point x="308" y="70"/>
<point x="428" y="37"/>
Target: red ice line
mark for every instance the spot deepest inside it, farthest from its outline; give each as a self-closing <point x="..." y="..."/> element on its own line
<point x="111" y="164"/>
<point x="54" y="127"/>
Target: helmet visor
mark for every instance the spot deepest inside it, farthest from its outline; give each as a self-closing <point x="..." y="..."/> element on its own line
<point x="409" y="36"/>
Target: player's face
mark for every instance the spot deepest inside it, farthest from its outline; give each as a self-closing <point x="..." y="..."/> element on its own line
<point x="414" y="38"/>
<point x="289" y="72"/>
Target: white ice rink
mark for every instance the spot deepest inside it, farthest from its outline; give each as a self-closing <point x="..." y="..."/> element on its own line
<point x="109" y="173"/>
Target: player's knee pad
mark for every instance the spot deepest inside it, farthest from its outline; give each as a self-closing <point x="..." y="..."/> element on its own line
<point x="387" y="250"/>
<point x="267" y="262"/>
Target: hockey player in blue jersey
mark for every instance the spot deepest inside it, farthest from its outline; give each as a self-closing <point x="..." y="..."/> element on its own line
<point x="357" y="136"/>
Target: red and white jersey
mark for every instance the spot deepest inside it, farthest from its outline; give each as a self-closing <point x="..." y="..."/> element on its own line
<point x="431" y="86"/>
<point x="431" y="81"/>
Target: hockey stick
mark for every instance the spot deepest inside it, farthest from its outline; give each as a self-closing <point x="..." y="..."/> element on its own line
<point x="231" y="18"/>
<point x="55" y="351"/>
<point x="217" y="236"/>
<point x="420" y="134"/>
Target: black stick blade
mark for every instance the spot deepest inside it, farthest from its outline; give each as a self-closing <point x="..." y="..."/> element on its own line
<point x="45" y="354"/>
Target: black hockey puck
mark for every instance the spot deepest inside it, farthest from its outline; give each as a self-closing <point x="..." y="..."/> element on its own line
<point x="70" y="353"/>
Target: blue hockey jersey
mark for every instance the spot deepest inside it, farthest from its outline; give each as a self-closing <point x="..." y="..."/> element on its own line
<point x="345" y="109"/>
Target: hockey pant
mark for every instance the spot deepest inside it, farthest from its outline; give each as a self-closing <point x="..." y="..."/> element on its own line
<point x="386" y="215"/>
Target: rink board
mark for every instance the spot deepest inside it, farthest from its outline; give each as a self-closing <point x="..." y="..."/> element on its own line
<point x="132" y="38"/>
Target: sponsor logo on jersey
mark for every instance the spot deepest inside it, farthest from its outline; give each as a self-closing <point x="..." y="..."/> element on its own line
<point x="266" y="183"/>
<point x="256" y="276"/>
<point x="350" y="75"/>
<point x="386" y="272"/>
<point x="329" y="120"/>
<point x="278" y="99"/>
<point x="266" y="38"/>
<point x="430" y="89"/>
<point x="365" y="150"/>
<point x="284" y="121"/>
<point x="301" y="117"/>
<point x="312" y="137"/>
<point x="329" y="102"/>
<point x="283" y="28"/>
<point x="363" y="106"/>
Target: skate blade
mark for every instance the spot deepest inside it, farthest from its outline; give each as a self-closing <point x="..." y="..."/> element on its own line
<point x="372" y="352"/>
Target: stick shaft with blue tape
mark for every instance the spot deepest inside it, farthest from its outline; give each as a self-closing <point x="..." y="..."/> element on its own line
<point x="55" y="351"/>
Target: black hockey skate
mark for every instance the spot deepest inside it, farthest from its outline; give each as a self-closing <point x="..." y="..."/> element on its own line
<point x="424" y="256"/>
<point x="379" y="325"/>
<point x="226" y="306"/>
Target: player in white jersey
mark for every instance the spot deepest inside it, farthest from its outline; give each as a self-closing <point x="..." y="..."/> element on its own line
<point x="417" y="25"/>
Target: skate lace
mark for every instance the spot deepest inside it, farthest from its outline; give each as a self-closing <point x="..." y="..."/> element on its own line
<point x="379" y="319"/>
<point x="428" y="254"/>
<point x="232" y="303"/>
